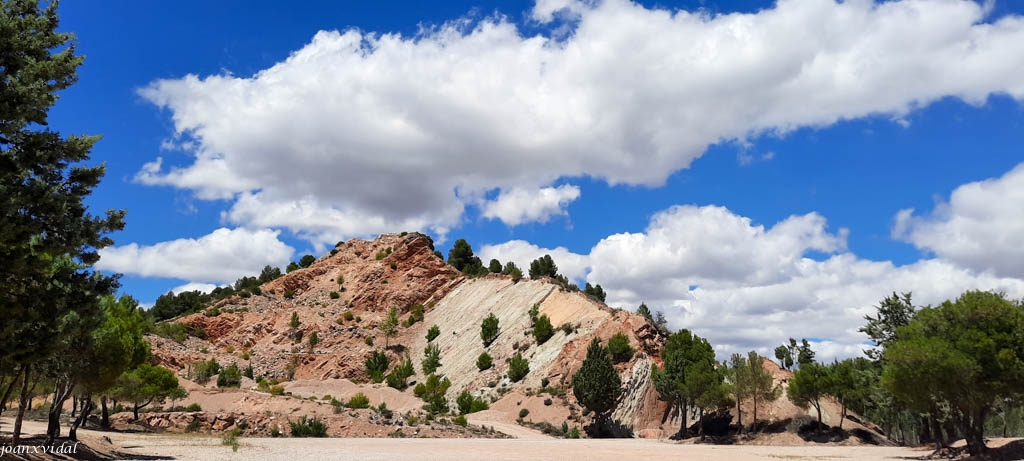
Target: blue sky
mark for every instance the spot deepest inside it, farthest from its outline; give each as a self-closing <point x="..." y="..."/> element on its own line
<point x="768" y="174"/>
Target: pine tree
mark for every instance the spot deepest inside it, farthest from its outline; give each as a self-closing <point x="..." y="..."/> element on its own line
<point x="597" y="385"/>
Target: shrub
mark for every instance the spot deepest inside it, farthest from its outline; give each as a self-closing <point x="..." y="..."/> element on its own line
<point x="544" y="382"/>
<point x="415" y="314"/>
<point x="433" y="392"/>
<point x="460" y="421"/>
<point x="574" y="433"/>
<point x="383" y="410"/>
<point x="348" y="316"/>
<point x="431" y="359"/>
<point x="334" y="295"/>
<point x="289" y="294"/>
<point x="294" y="323"/>
<point x="524" y="413"/>
<point x="194" y="407"/>
<point x="518" y="367"/>
<point x="309" y="427"/>
<point x="377" y="365"/>
<point x="567" y="328"/>
<point x="248" y="371"/>
<point x="619" y="348"/>
<point x="398" y="378"/>
<point x="543" y="330"/>
<point x="484" y="361"/>
<point x="202" y="371"/>
<point x="489" y="329"/>
<point x="394" y="266"/>
<point x="337" y="405"/>
<point x="368" y="340"/>
<point x="314" y="339"/>
<point x="433" y="333"/>
<point x="359" y="401"/>
<point x="277" y="390"/>
<point x="341" y="280"/>
<point x="534" y="311"/>
<point x="469" y="404"/>
<point x="547" y="402"/>
<point x="275" y="432"/>
<point x="176" y="332"/>
<point x="231" y="439"/>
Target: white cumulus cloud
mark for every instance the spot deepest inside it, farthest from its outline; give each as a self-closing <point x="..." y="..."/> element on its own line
<point x="981" y="226"/>
<point x="219" y="257"/>
<point x="383" y="128"/>
<point x="517" y="206"/>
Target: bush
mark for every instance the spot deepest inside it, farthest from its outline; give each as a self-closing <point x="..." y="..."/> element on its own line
<point x="337" y="405"/>
<point x="433" y="333"/>
<point x="433" y="392"/>
<point x="543" y="330"/>
<point x="468" y="404"/>
<point x="359" y="401"/>
<point x="534" y="311"/>
<point x="377" y="365"/>
<point x="309" y="427"/>
<point x="176" y="332"/>
<point x="489" y="329"/>
<point x="574" y="433"/>
<point x="294" y="323"/>
<point x="275" y="432"/>
<point x="431" y="359"/>
<point x="567" y="328"/>
<point x="518" y="367"/>
<point x="229" y="377"/>
<point x="524" y="413"/>
<point x="398" y="378"/>
<point x="368" y="340"/>
<point x="277" y="390"/>
<point x="415" y="314"/>
<point x="619" y="348"/>
<point x="314" y="339"/>
<point x="484" y="361"/>
<point x="334" y="295"/>
<point x="460" y="421"/>
<point x="547" y="402"/>
<point x="194" y="407"/>
<point x="383" y="410"/>
<point x="202" y="371"/>
<point x="289" y="294"/>
<point x="348" y="316"/>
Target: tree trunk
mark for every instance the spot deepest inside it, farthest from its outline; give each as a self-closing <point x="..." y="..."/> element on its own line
<point x="23" y="402"/>
<point x="755" y="413"/>
<point x="940" y="440"/>
<point x="83" y="415"/>
<point x="700" y="428"/>
<point x="61" y="392"/>
<point x="818" y="407"/>
<point x="7" y="393"/>
<point x="842" y="415"/>
<point x="135" y="411"/>
<point x="105" y="413"/>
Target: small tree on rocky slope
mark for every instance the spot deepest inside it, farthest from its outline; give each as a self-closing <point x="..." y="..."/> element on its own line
<point x="597" y="385"/>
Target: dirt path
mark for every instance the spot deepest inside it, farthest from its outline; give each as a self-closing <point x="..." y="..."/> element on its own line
<point x="512" y="429"/>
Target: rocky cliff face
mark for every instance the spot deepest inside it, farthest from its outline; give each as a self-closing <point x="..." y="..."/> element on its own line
<point x="345" y="295"/>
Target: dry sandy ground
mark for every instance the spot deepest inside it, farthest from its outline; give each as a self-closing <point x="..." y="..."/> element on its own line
<point x="197" y="447"/>
<point x="488" y="449"/>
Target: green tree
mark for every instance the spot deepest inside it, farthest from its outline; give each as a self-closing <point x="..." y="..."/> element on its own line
<point x="518" y="367"/>
<point x="294" y="323"/>
<point x="461" y="255"/>
<point x="688" y="374"/>
<point x="230" y="376"/>
<point x="849" y="384"/>
<point x="433" y="333"/>
<point x="494" y="266"/>
<point x="805" y="354"/>
<point x="737" y="375"/>
<point x="762" y="386"/>
<point x="489" y="329"/>
<point x="433" y="391"/>
<point x="892" y="313"/>
<point x="269" y="273"/>
<point x="543" y="267"/>
<point x="144" y="385"/>
<point x="431" y="359"/>
<point x="307" y="260"/>
<point x="644" y="312"/>
<point x="619" y="348"/>
<point x="597" y="385"/>
<point x="785" y="357"/>
<point x="484" y="361"/>
<point x="314" y="339"/>
<point x="48" y="239"/>
<point x="512" y="270"/>
<point x="292" y="266"/>
<point x="595" y="292"/>
<point x="967" y="353"/>
<point x="543" y="330"/>
<point x="399" y="376"/>
<point x="389" y="327"/>
<point x="809" y="385"/>
<point x="377" y="365"/>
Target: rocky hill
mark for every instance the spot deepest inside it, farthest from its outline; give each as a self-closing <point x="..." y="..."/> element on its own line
<point x="345" y="295"/>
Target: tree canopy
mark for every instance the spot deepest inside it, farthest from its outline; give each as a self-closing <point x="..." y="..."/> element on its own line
<point x="597" y="385"/>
